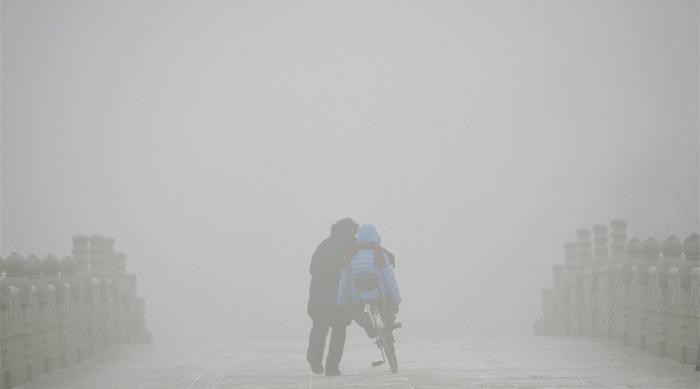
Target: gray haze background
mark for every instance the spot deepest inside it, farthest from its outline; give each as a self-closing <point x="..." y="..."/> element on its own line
<point x="217" y="142"/>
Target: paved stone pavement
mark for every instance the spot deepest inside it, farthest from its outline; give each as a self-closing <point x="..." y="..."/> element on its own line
<point x="524" y="362"/>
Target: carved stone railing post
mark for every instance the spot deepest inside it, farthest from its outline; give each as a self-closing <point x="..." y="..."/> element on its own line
<point x="81" y="252"/>
<point x="618" y="241"/>
<point x="15" y="291"/>
<point x="81" y="284"/>
<point x="98" y="336"/>
<point x="55" y="295"/>
<point x="69" y="315"/>
<point x="633" y="332"/>
<point x="605" y="277"/>
<point x="108" y="320"/>
<point x="673" y="304"/>
<point x="566" y="299"/>
<point x="691" y="249"/>
<point x="588" y="283"/>
<point x="569" y="290"/>
<point x="137" y="321"/>
<point x="109" y="293"/>
<point x="559" y="301"/>
<point x="101" y="253"/>
<point x="120" y="286"/>
<point x="544" y="324"/>
<point x="97" y="331"/>
<point x="654" y="318"/>
<point x="574" y="280"/>
<point x="601" y="241"/>
<point x="651" y="252"/>
<point x="36" y="324"/>
<point x="619" y="279"/>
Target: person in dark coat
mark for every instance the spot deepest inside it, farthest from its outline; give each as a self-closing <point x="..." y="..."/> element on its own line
<point x="326" y="266"/>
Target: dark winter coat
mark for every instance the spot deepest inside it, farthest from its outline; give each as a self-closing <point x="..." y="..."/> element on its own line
<point x="326" y="266"/>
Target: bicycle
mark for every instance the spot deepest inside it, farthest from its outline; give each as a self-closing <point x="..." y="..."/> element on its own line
<point x="385" y="339"/>
<point x="373" y="302"/>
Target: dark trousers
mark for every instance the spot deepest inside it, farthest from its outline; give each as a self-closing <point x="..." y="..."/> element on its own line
<point x="317" y="343"/>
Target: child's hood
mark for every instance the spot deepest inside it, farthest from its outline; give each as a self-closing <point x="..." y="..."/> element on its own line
<point x="367" y="233"/>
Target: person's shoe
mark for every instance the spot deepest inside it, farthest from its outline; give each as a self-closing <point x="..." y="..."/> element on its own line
<point x="315" y="364"/>
<point x="332" y="372"/>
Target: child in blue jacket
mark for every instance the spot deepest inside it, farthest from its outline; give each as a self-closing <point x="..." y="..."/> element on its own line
<point x="368" y="275"/>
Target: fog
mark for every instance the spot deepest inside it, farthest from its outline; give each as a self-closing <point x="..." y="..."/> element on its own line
<point x="217" y="142"/>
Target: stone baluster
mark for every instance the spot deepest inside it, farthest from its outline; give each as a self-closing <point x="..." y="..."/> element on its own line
<point x="108" y="317"/>
<point x="559" y="300"/>
<point x="93" y="288"/>
<point x="95" y="251"/>
<point x="651" y="252"/>
<point x="603" y="316"/>
<point x="69" y="315"/>
<point x="81" y="284"/>
<point x="55" y="296"/>
<point x="588" y="283"/>
<point x="618" y="241"/>
<point x="633" y="316"/>
<point x="36" y="323"/>
<point x="565" y="311"/>
<point x="137" y="318"/>
<point x="544" y="325"/>
<point x="691" y="340"/>
<point x="570" y="255"/>
<point x="96" y="325"/>
<point x="120" y="285"/>
<point x="573" y="284"/>
<point x="583" y="247"/>
<point x="620" y="280"/>
<point x="81" y="252"/>
<point x="673" y="304"/>
<point x="109" y="292"/>
<point x="129" y="299"/>
<point x="101" y="251"/>
<point x="601" y="241"/>
<point x="657" y="301"/>
<point x="15" y="298"/>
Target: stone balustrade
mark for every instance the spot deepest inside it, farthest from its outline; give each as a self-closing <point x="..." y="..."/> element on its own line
<point x="55" y="313"/>
<point x="644" y="294"/>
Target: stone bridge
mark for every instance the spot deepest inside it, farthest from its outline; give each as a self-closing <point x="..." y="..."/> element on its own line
<point x="527" y="362"/>
<point x="620" y="318"/>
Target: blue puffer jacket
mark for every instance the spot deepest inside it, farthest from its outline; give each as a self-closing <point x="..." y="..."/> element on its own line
<point x="363" y="262"/>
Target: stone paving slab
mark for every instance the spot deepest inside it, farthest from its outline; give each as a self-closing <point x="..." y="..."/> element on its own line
<point x="523" y="362"/>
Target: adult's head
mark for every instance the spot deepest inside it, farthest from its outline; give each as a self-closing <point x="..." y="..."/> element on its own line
<point x="344" y="226"/>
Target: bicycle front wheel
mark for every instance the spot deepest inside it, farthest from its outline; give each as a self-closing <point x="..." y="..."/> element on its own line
<point x="390" y="351"/>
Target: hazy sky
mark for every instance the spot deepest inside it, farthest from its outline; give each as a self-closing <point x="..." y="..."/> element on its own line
<point x="218" y="141"/>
